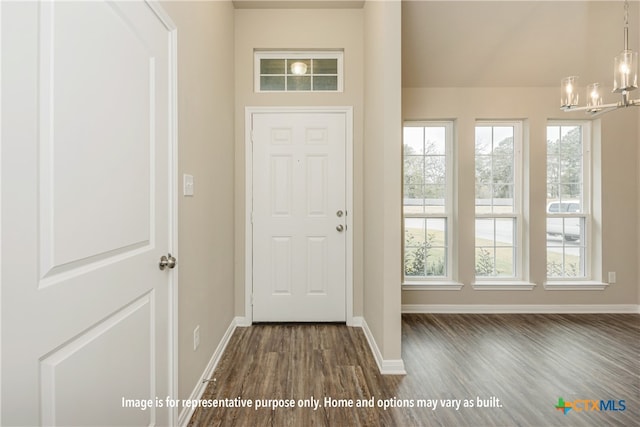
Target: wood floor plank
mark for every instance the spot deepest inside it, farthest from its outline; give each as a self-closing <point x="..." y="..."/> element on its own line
<point x="525" y="361"/>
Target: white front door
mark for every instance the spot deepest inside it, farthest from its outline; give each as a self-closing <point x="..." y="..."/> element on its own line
<point x="86" y="202"/>
<point x="299" y="216"/>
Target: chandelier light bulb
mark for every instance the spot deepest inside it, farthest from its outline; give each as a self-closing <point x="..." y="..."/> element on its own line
<point x="626" y="71"/>
<point x="594" y="99"/>
<point x="624" y="68"/>
<point x="569" y="96"/>
<point x="298" y="68"/>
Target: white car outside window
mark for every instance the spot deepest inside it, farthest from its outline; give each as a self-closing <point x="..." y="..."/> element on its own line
<point x="572" y="229"/>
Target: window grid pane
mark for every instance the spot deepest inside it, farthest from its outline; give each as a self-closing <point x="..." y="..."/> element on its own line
<point x="425" y="247"/>
<point x="495" y="247"/>
<point x="298" y="83"/>
<point x="272" y="66"/>
<point x="494" y="148"/>
<point x="564" y="164"/>
<point x="290" y="67"/>
<point x="325" y="83"/>
<point x="566" y="247"/>
<point x="425" y="170"/>
<point x="325" y="66"/>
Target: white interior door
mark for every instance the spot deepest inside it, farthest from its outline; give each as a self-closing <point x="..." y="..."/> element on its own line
<point x="86" y="199"/>
<point x="299" y="216"/>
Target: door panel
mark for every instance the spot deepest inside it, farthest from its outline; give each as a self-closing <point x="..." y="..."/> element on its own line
<point x="85" y="212"/>
<point x="317" y="265"/>
<point x="281" y="265"/>
<point x="117" y="73"/>
<point x="67" y="401"/>
<point x="299" y="184"/>
<point x="317" y="181"/>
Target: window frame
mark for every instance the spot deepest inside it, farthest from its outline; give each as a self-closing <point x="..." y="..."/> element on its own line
<point x="587" y="197"/>
<point x="518" y="281"/>
<point x="448" y="280"/>
<point x="258" y="55"/>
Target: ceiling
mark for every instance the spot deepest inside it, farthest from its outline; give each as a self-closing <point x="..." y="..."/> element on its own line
<point x="298" y="4"/>
<point x="511" y="43"/>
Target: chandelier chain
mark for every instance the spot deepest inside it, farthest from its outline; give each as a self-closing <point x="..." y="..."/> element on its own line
<point x="626" y="13"/>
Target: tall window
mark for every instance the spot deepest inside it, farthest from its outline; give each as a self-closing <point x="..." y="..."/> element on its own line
<point x="498" y="231"/>
<point x="427" y="200"/>
<point x="568" y="202"/>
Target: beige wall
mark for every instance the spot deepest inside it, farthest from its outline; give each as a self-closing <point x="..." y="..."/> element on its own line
<point x="377" y="112"/>
<point x="382" y="175"/>
<point x="216" y="48"/>
<point x="297" y="29"/>
<point x="206" y="150"/>
<point x="619" y="180"/>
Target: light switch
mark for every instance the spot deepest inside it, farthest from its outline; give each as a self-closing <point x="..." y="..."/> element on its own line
<point x="187" y="185"/>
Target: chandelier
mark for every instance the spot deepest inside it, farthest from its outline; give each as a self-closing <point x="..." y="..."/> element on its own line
<point x="625" y="80"/>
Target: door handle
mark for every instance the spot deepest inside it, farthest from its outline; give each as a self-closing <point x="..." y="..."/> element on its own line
<point x="167" y="262"/>
<point x="340" y="228"/>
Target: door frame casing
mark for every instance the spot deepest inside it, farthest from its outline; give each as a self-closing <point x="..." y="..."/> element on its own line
<point x="173" y="189"/>
<point x="347" y="111"/>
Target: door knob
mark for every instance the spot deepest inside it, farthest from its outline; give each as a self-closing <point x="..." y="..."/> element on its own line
<point x="340" y="228"/>
<point x="167" y="262"/>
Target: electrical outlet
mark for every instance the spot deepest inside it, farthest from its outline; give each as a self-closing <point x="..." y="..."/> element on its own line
<point x="612" y="277"/>
<point x="196" y="338"/>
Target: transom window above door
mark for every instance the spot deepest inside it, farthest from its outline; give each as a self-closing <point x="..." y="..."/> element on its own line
<point x="298" y="71"/>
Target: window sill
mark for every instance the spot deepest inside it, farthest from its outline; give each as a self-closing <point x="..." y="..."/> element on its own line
<point x="512" y="285"/>
<point x="584" y="285"/>
<point x="444" y="285"/>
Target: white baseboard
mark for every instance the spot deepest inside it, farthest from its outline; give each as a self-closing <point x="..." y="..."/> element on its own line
<point x="521" y="308"/>
<point x="242" y="322"/>
<point x="198" y="391"/>
<point x="357" y="321"/>
<point x="386" y="367"/>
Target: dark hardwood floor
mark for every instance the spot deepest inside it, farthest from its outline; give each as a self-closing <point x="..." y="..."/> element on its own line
<point x="517" y="365"/>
